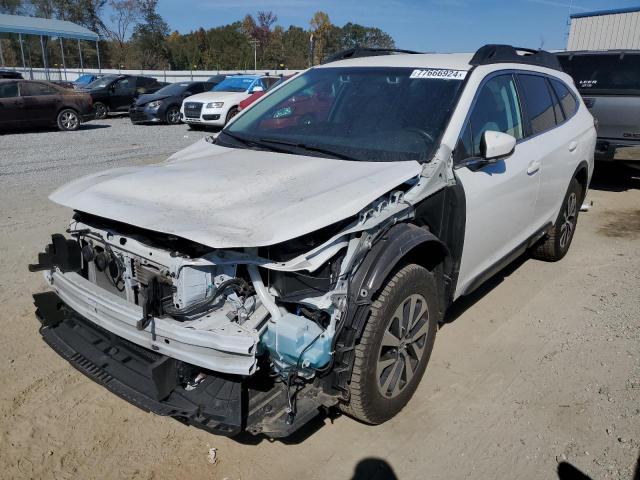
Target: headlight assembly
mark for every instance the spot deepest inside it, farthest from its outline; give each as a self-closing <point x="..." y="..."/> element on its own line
<point x="155" y="104"/>
<point x="215" y="105"/>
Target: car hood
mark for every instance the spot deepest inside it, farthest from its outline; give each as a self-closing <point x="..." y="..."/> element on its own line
<point x="150" y="97"/>
<point x="223" y="197"/>
<point x="217" y="97"/>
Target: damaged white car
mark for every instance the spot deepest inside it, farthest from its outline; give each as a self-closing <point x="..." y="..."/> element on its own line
<point x="304" y="256"/>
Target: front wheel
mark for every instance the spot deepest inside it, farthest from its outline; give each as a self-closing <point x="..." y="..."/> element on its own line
<point x="68" y="120"/>
<point x="232" y="113"/>
<point x="557" y="242"/>
<point x="395" y="346"/>
<point x="173" y="116"/>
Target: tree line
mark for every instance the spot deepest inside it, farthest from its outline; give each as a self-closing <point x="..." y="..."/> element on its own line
<point x="135" y="36"/>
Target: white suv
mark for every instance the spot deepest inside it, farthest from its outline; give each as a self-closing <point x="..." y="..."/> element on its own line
<point x="219" y="105"/>
<point x="304" y="256"/>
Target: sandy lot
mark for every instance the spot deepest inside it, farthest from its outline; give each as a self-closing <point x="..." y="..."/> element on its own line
<point x="541" y="366"/>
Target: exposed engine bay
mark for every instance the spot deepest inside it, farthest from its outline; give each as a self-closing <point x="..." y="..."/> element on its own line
<point x="214" y="316"/>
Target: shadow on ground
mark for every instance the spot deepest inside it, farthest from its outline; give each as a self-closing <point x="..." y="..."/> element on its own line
<point x="615" y="177"/>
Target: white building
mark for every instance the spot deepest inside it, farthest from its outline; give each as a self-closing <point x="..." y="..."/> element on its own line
<point x="605" y="30"/>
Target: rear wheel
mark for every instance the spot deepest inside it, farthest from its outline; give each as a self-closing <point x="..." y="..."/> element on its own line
<point x="395" y="346"/>
<point x="556" y="244"/>
<point x="68" y="120"/>
<point x="173" y="115"/>
<point x="101" y="110"/>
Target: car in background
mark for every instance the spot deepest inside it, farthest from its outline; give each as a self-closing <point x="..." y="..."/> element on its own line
<point x="255" y="96"/>
<point x="63" y="84"/>
<point x="220" y="104"/>
<point x="216" y="79"/>
<point x="30" y="103"/>
<point x="85" y="79"/>
<point x="609" y="83"/>
<point x="115" y="93"/>
<point x="10" y="74"/>
<point x="163" y="106"/>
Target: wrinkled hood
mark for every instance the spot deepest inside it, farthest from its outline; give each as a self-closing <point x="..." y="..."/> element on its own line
<point x="223" y="197"/>
<point x="217" y="97"/>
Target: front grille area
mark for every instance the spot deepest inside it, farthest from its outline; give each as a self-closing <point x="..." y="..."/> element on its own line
<point x="211" y="117"/>
<point x="192" y="109"/>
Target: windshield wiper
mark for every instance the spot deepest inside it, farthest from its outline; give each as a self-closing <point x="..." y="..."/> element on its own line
<point x="253" y="143"/>
<point x="310" y="148"/>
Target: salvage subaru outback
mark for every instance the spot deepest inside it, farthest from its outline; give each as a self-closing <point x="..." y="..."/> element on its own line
<point x="280" y="268"/>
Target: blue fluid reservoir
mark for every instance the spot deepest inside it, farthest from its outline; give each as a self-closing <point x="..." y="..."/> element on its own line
<point x="287" y="339"/>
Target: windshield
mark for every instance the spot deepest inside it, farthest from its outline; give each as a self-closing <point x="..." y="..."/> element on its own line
<point x="234" y="84"/>
<point x="174" y="88"/>
<point x="370" y="114"/>
<point x="102" y="82"/>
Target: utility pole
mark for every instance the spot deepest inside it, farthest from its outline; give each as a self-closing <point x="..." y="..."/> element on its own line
<point x="255" y="54"/>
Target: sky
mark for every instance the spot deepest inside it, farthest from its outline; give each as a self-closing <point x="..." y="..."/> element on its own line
<point x="423" y="25"/>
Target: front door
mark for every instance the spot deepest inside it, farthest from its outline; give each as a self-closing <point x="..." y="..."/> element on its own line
<point x="500" y="197"/>
<point x="122" y="93"/>
<point x="11" y="112"/>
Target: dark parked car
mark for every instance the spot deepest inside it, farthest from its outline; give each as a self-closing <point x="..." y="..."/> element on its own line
<point x="115" y="93"/>
<point x="85" y="79"/>
<point x="26" y="103"/>
<point x="164" y="105"/>
<point x="609" y="83"/>
<point x="10" y="74"/>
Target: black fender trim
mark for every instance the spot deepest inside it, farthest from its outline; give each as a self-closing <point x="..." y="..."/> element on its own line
<point x="387" y="253"/>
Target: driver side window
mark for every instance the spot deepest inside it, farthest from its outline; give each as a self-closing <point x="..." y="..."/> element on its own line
<point x="124" y="86"/>
<point x="496" y="108"/>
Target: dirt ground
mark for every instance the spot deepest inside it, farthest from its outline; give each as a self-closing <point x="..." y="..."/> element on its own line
<point x="541" y="366"/>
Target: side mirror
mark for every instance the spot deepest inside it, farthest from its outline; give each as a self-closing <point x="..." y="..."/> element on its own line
<point x="496" y="145"/>
<point x="257" y="89"/>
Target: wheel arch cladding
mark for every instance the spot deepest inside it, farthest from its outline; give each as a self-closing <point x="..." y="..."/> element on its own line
<point x="404" y="243"/>
<point x="582" y="175"/>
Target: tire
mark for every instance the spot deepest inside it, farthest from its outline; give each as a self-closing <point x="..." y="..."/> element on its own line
<point x="380" y="383"/>
<point x="557" y="242"/>
<point x="172" y="116"/>
<point x="233" y="111"/>
<point x="68" y="120"/>
<point x="101" y="110"/>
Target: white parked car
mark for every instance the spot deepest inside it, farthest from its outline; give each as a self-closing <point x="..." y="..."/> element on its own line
<point x="305" y="255"/>
<point x="219" y="105"/>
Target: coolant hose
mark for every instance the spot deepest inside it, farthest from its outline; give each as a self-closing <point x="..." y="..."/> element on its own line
<point x="265" y="297"/>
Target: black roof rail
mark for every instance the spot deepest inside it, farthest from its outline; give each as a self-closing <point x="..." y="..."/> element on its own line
<point x="357" y="52"/>
<point x="490" y="54"/>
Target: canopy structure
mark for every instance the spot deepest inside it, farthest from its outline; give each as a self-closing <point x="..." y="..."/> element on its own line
<point x="44" y="27"/>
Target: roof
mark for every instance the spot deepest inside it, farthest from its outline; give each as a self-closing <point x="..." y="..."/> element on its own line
<point x="599" y="13"/>
<point x="45" y="26"/>
<point x="450" y="61"/>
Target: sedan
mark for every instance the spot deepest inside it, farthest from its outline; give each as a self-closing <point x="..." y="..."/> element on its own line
<point x="28" y="103"/>
<point x="163" y="106"/>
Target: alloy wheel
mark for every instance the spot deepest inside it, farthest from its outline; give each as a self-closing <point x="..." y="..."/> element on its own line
<point x="173" y="116"/>
<point x="568" y="220"/>
<point x="402" y="346"/>
<point x="69" y="120"/>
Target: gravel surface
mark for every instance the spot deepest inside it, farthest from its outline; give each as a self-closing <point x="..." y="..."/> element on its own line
<point x="50" y="156"/>
<point x="538" y="370"/>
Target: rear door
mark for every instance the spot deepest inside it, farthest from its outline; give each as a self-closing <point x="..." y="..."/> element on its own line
<point x="500" y="197"/>
<point x="11" y="111"/>
<point x="41" y="102"/>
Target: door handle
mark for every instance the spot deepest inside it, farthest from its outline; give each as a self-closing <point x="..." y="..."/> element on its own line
<point x="534" y="166"/>
<point x="573" y="146"/>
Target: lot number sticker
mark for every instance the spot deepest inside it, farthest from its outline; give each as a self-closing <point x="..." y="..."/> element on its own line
<point x="439" y="73"/>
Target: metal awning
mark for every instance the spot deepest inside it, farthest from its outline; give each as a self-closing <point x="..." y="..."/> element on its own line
<point x="46" y="27"/>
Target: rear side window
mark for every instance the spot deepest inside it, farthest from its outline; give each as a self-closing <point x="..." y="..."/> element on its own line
<point x="37" y="90"/>
<point x="496" y="108"/>
<point x="567" y="100"/>
<point x="617" y="73"/>
<point x="536" y="98"/>
<point x="8" y="90"/>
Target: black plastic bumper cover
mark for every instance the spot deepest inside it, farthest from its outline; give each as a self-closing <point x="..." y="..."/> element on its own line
<point x="144" y="378"/>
